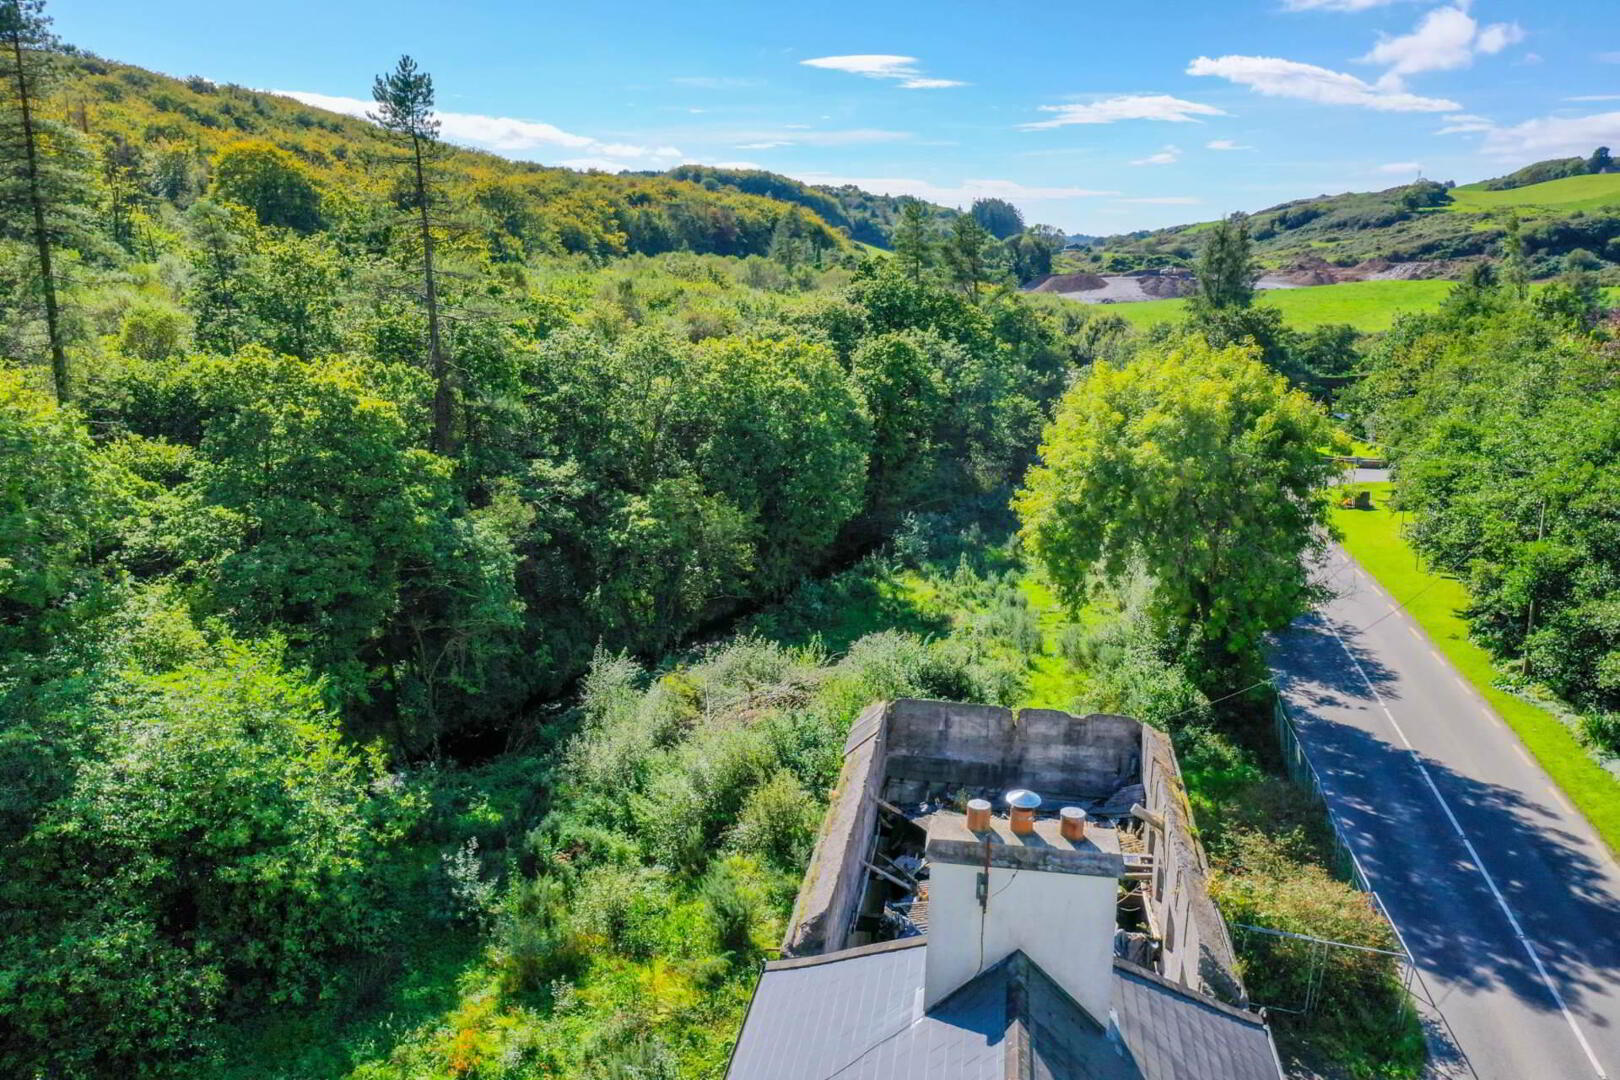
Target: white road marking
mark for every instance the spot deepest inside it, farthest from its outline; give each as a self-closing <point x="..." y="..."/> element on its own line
<point x="1559" y="796"/>
<point x="1529" y="946"/>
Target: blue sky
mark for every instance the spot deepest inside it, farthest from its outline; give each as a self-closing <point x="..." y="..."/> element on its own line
<point x="1096" y="117"/>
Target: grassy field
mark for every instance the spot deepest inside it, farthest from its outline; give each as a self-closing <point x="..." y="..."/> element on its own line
<point x="1570" y="193"/>
<point x="1369" y="306"/>
<point x="1435" y="601"/>
<point x="1365" y="305"/>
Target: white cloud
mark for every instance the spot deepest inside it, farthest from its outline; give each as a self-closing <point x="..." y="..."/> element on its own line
<point x="507" y="135"/>
<point x="883" y="66"/>
<point x="1397" y="167"/>
<point x="1594" y="97"/>
<point x="1609" y="58"/>
<point x="1553" y="136"/>
<point x="1276" y="77"/>
<point x="1446" y="39"/>
<point x="1465" y="123"/>
<point x="1168" y="156"/>
<point x="1335" y="5"/>
<point x="1225" y="144"/>
<point x="1126" y="107"/>
<point x="714" y="82"/>
<point x="1164" y="200"/>
<point x="958" y="195"/>
<point x="801" y="135"/>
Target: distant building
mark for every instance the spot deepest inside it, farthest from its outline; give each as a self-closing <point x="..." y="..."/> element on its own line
<point x="997" y="895"/>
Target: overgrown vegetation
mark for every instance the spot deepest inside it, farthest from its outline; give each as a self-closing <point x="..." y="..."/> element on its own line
<point x="350" y="474"/>
<point x="1498" y="413"/>
<point x="363" y="497"/>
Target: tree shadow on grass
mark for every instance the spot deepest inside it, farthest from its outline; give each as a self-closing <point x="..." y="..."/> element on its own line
<point x="841" y="610"/>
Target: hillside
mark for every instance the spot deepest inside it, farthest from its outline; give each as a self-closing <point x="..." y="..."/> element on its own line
<point x="180" y="127"/>
<point x="1423" y="222"/>
<point x="867" y="217"/>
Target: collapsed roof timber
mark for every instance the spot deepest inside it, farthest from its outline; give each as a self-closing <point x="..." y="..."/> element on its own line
<point x="1071" y="937"/>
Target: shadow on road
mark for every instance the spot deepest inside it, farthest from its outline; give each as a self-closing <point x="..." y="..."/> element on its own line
<point x="1409" y="849"/>
<point x="1326" y="677"/>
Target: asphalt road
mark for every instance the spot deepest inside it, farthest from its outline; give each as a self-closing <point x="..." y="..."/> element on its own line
<point x="1501" y="891"/>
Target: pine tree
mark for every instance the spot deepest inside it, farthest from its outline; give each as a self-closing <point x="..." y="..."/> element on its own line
<point x="1226" y="271"/>
<point x="966" y="253"/>
<point x="43" y="168"/>
<point x="913" y="239"/>
<point x="404" y="99"/>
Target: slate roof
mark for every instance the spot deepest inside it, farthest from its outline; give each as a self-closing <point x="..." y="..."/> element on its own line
<point x="857" y="1015"/>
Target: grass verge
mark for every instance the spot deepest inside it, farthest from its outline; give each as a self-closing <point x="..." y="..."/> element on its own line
<point x="1373" y="538"/>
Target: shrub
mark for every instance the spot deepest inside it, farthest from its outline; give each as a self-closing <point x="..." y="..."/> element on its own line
<point x="731" y="910"/>
<point x="778" y="821"/>
<point x="533" y="943"/>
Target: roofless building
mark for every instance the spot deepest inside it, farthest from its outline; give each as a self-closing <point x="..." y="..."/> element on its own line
<point x="999" y="894"/>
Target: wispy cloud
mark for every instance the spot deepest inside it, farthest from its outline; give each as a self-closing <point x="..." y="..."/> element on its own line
<point x="954" y="195"/>
<point x="1465" y="123"/>
<point x="1225" y="144"/>
<point x="1276" y="77"/>
<point x="1594" y="97"/>
<point x="1445" y="39"/>
<point x="1163" y="200"/>
<point x="508" y="135"/>
<point x="1168" y="156"/>
<point x="1609" y="58"/>
<point x="1161" y="107"/>
<point x="714" y="82"/>
<point x="1552" y="136"/>
<point x="1335" y="5"/>
<point x="800" y="135"/>
<point x="903" y="69"/>
<point x="1400" y="167"/>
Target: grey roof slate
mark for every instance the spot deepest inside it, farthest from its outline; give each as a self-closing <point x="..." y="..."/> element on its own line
<point x="857" y="1015"/>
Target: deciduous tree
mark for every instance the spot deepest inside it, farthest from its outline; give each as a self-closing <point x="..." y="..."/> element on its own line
<point x="1200" y="466"/>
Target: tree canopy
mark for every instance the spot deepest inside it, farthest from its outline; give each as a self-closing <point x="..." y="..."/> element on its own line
<point x="1200" y="466"/>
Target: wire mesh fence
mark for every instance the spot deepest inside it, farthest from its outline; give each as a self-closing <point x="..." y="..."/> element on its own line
<point x="1305" y="974"/>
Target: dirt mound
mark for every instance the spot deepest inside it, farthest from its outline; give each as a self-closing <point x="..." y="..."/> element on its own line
<point x="1120" y="288"/>
<point x="1167" y="286"/>
<point x="1068" y="283"/>
<point x="1317" y="271"/>
<point x="1409" y="271"/>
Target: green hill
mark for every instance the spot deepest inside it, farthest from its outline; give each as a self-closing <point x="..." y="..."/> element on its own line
<point x="868" y="218"/>
<point x="1557" y="213"/>
<point x="1569" y="193"/>
<point x="175" y="131"/>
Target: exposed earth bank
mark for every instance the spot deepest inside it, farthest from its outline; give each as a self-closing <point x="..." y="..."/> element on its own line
<point x="1172" y="282"/>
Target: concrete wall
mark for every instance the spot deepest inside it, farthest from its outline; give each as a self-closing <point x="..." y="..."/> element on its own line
<point x="1063" y="922"/>
<point x="824" y="913"/>
<point x="982" y="746"/>
<point x="1197" y="952"/>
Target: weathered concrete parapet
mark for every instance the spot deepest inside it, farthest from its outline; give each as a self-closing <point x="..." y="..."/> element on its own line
<point x="984" y="746"/>
<point x="1197" y="950"/>
<point x="825" y="909"/>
